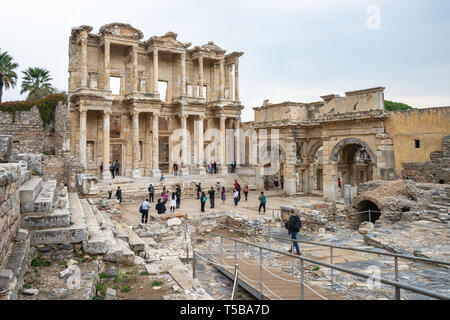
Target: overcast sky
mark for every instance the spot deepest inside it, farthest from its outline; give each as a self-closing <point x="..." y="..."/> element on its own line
<point x="294" y="50"/>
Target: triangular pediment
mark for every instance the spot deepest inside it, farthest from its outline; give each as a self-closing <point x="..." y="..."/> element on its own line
<point x="121" y="30"/>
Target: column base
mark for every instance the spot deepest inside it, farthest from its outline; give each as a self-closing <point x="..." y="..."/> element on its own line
<point x="223" y="170"/>
<point x="184" y="172"/>
<point x="290" y="187"/>
<point x="136" y="174"/>
<point x="106" y="175"/>
<point x="156" y="173"/>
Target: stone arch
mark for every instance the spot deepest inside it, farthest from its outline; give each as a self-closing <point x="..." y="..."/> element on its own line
<point x="364" y="204"/>
<point x="313" y="150"/>
<point x="349" y="141"/>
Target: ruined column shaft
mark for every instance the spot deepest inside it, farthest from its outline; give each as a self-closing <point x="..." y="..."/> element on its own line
<point x="222" y="140"/>
<point x="134" y="62"/>
<point x="106" y="145"/>
<point x="83" y="114"/>
<point x="84" y="69"/>
<point x="107" y="64"/>
<point x="221" y="79"/>
<point x="184" y="141"/>
<point x="183" y="73"/>
<point x="155" y="142"/>
<point x="237" y="125"/>
<point x="200" y="76"/>
<point x="135" y="143"/>
<point x="201" y="143"/>
<point x="236" y="81"/>
<point x="155" y="71"/>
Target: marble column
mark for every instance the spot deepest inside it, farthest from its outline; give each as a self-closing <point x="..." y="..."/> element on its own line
<point x="155" y="147"/>
<point x="221" y="79"/>
<point x="223" y="168"/>
<point x="184" y="150"/>
<point x="236" y="81"/>
<point x="155" y="71"/>
<point x="136" y="152"/>
<point x="200" y="76"/>
<point x="134" y="62"/>
<point x="201" y="141"/>
<point x="84" y="69"/>
<point x="106" y="145"/>
<point x="107" y="64"/>
<point x="183" y="74"/>
<point x="83" y="114"/>
<point x="237" y="126"/>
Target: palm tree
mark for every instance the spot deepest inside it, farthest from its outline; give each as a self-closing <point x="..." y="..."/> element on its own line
<point x="36" y="82"/>
<point x="8" y="78"/>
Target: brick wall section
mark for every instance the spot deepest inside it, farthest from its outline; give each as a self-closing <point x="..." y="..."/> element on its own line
<point x="437" y="170"/>
<point x="9" y="207"/>
<point x="28" y="131"/>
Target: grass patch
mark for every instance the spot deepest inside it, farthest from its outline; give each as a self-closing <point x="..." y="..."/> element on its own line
<point x="46" y="263"/>
<point x="103" y="276"/>
<point x="28" y="286"/>
<point x="315" y="269"/>
<point x="157" y="283"/>
<point x="126" y="289"/>
<point x="144" y="273"/>
<point x="97" y="298"/>
<point x="64" y="263"/>
<point x="101" y="289"/>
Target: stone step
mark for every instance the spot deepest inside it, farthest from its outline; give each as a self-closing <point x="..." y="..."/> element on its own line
<point x="76" y="233"/>
<point x="16" y="262"/>
<point x="44" y="200"/>
<point x="56" y="219"/>
<point x="29" y="190"/>
<point x="96" y="244"/>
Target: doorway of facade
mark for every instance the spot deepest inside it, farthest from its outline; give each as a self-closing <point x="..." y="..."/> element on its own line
<point x="116" y="155"/>
<point x="164" y="154"/>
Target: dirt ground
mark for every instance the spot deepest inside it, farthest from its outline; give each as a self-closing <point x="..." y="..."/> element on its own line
<point x="191" y="207"/>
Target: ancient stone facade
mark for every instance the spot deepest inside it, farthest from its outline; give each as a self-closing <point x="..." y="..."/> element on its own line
<point x="128" y="96"/>
<point x="339" y="137"/>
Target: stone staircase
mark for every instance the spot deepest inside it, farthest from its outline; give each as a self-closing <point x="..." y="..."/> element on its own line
<point x="438" y="207"/>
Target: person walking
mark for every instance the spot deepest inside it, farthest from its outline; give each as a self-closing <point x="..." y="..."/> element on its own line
<point x="262" y="203"/>
<point x="233" y="167"/>
<point x="246" y="192"/>
<point x="282" y="183"/>
<point x="339" y="184"/>
<point x="276" y="184"/>
<point x="117" y="166"/>
<point x="178" y="189"/>
<point x="110" y="190"/>
<point x="203" y="201"/>
<point x="199" y="190"/>
<point x="151" y="193"/>
<point x="212" y="195"/>
<point x="293" y="226"/>
<point x="145" y="206"/>
<point x="215" y="167"/>
<point x="236" y="198"/>
<point x="165" y="195"/>
<point x="223" y="195"/>
<point x="119" y="194"/>
<point x="173" y="202"/>
<point x="112" y="169"/>
<point x="101" y="168"/>
<point x="161" y="207"/>
<point x="162" y="178"/>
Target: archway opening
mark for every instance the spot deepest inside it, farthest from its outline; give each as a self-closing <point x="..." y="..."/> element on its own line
<point x="371" y="211"/>
<point x="355" y="164"/>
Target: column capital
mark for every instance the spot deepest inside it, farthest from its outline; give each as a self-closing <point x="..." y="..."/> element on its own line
<point x="135" y="113"/>
<point x="201" y="117"/>
<point x="83" y="110"/>
<point x="107" y="112"/>
<point x="183" y="116"/>
<point x="223" y="116"/>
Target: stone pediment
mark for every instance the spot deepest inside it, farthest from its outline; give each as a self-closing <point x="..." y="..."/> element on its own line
<point x="168" y="40"/>
<point x="121" y="30"/>
<point x="210" y="47"/>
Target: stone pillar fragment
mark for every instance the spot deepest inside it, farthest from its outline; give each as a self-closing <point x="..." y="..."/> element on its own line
<point x="134" y="76"/>
<point x="237" y="126"/>
<point x="221" y="79"/>
<point x="200" y="76"/>
<point x="107" y="64"/>
<point x="84" y="69"/>
<point x="106" y="145"/>
<point x="236" y="81"/>
<point x="83" y="115"/>
<point x="155" y="71"/>
<point x="201" y="145"/>
<point x="183" y="73"/>
<point x="155" y="147"/>
<point x="224" y="168"/>
<point x="136" y="152"/>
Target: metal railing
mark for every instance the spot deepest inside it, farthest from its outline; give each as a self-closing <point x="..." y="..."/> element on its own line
<point x="394" y="283"/>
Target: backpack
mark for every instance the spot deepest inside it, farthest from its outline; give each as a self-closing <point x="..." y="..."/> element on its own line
<point x="294" y="224"/>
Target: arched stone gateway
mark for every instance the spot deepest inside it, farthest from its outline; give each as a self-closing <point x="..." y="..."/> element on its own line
<point x="351" y="141"/>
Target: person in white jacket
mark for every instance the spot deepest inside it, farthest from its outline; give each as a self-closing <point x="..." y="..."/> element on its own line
<point x="173" y="202"/>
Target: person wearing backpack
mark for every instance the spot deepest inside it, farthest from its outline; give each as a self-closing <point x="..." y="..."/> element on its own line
<point x="145" y="206"/>
<point x="151" y="193"/>
<point x="161" y="207"/>
<point x="293" y="226"/>
<point x="212" y="196"/>
<point x="203" y="201"/>
<point x="262" y="203"/>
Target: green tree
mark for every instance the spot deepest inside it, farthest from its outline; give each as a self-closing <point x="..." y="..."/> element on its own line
<point x="396" y="106"/>
<point x="8" y="77"/>
<point x="36" y="82"/>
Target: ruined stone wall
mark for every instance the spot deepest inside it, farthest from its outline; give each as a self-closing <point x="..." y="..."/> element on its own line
<point x="437" y="170"/>
<point x="9" y="205"/>
<point x="429" y="126"/>
<point x="28" y="131"/>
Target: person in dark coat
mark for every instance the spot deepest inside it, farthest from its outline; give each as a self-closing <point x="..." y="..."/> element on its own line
<point x="212" y="195"/>
<point x="178" y="192"/>
<point x="161" y="207"/>
<point x="199" y="190"/>
<point x="151" y="193"/>
<point x="203" y="201"/>
<point x="119" y="194"/>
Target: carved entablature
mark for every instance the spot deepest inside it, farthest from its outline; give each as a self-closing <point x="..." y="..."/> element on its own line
<point x="169" y="41"/>
<point x="233" y="57"/>
<point x="121" y="30"/>
<point x="210" y="51"/>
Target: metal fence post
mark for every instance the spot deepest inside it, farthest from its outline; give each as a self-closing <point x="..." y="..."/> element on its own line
<point x="236" y="283"/>
<point x="302" y="279"/>
<point x="332" y="270"/>
<point x="370" y="216"/>
<point x="221" y="249"/>
<point x="235" y="252"/>
<point x="397" y="289"/>
<point x="261" y="273"/>
<point x="194" y="262"/>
